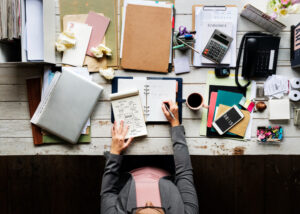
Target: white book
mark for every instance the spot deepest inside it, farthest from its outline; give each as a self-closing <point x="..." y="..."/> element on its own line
<point x="67" y="105"/>
<point x="153" y="93"/>
<point x="127" y="106"/>
<point x="75" y="55"/>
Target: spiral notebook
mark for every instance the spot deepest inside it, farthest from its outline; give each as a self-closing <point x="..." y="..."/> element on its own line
<point x="153" y="91"/>
<point x="127" y="106"/>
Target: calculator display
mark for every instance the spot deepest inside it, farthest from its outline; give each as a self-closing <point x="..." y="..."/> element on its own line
<point x="220" y="39"/>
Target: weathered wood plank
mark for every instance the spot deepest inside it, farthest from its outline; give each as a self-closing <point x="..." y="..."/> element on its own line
<point x="12" y="75"/>
<point x="159" y="146"/>
<point x="14" y="110"/>
<point x="101" y="128"/>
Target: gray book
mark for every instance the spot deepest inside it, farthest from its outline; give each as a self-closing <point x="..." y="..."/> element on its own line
<point x="67" y="105"/>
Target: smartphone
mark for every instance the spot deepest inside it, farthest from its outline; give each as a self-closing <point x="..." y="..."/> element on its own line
<point x="227" y="120"/>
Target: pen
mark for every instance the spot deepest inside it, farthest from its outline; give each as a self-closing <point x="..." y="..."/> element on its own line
<point x="172" y="115"/>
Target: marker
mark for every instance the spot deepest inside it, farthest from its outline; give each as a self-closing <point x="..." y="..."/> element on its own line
<point x="178" y="46"/>
<point x="172" y="115"/>
<point x="186" y="36"/>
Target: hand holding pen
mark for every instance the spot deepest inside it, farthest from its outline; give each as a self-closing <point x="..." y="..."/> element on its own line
<point x="170" y="109"/>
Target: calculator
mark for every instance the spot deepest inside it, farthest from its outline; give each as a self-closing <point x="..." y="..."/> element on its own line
<point x="217" y="46"/>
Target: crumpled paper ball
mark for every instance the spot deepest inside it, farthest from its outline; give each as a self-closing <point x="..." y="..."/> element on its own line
<point x="100" y="50"/>
<point x="108" y="73"/>
<point x="65" y="40"/>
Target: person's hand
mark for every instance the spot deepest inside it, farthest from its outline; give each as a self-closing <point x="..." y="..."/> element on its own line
<point x="174" y="109"/>
<point x="118" y="143"/>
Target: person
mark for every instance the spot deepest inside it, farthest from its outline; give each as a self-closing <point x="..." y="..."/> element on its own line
<point x="149" y="190"/>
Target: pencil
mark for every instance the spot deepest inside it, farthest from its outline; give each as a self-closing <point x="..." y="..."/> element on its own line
<point x="189" y="46"/>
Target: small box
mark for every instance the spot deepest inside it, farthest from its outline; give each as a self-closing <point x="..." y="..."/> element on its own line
<point x="279" y="109"/>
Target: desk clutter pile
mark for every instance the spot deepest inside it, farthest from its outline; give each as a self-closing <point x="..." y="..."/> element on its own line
<point x="62" y="100"/>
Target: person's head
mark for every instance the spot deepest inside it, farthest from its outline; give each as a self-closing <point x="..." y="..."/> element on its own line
<point x="149" y="209"/>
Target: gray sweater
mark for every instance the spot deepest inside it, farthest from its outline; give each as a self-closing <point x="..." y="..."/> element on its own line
<point x="178" y="196"/>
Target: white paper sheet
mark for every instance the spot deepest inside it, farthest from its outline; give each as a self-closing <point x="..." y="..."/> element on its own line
<point x="75" y="55"/>
<point x="207" y="30"/>
<point x="252" y="96"/>
<point x="34" y="29"/>
<point x="215" y="14"/>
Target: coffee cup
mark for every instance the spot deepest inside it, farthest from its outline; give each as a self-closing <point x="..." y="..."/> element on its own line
<point x="195" y="101"/>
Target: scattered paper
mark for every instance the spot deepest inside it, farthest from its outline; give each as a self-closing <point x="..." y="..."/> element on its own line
<point x="65" y="40"/>
<point x="276" y="86"/>
<point x="108" y="73"/>
<point x="100" y="50"/>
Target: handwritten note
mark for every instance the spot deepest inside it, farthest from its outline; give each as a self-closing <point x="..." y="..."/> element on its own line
<point x="127" y="106"/>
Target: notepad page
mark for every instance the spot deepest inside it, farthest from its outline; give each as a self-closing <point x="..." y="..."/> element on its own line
<point x="159" y="91"/>
<point x="153" y="93"/>
<point x="129" y="109"/>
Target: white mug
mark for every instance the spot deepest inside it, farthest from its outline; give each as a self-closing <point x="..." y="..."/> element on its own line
<point x="195" y="101"/>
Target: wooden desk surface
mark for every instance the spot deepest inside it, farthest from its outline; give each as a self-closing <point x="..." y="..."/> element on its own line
<point x="15" y="131"/>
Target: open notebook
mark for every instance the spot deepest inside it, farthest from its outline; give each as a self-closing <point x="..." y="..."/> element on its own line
<point x="152" y="93"/>
<point x="127" y="106"/>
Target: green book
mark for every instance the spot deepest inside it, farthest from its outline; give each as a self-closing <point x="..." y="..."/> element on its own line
<point x="48" y="138"/>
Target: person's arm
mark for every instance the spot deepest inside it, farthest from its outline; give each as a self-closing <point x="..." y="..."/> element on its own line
<point x="110" y="180"/>
<point x="183" y="167"/>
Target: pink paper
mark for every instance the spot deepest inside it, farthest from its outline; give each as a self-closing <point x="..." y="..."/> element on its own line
<point x="100" y="25"/>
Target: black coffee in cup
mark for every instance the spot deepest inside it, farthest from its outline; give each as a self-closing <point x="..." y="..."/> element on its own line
<point x="194" y="100"/>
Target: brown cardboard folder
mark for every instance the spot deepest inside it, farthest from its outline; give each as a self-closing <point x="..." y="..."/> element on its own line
<point x="147" y="38"/>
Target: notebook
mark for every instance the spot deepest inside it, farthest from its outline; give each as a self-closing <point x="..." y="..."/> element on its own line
<point x="153" y="93"/>
<point x="67" y="105"/>
<point x="34" y="97"/>
<point x="127" y="106"/>
<point x="146" y="45"/>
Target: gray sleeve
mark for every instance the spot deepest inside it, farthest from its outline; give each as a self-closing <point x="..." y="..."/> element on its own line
<point x="109" y="187"/>
<point x="184" y="171"/>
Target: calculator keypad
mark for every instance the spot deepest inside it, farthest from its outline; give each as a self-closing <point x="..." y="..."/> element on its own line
<point x="215" y="51"/>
